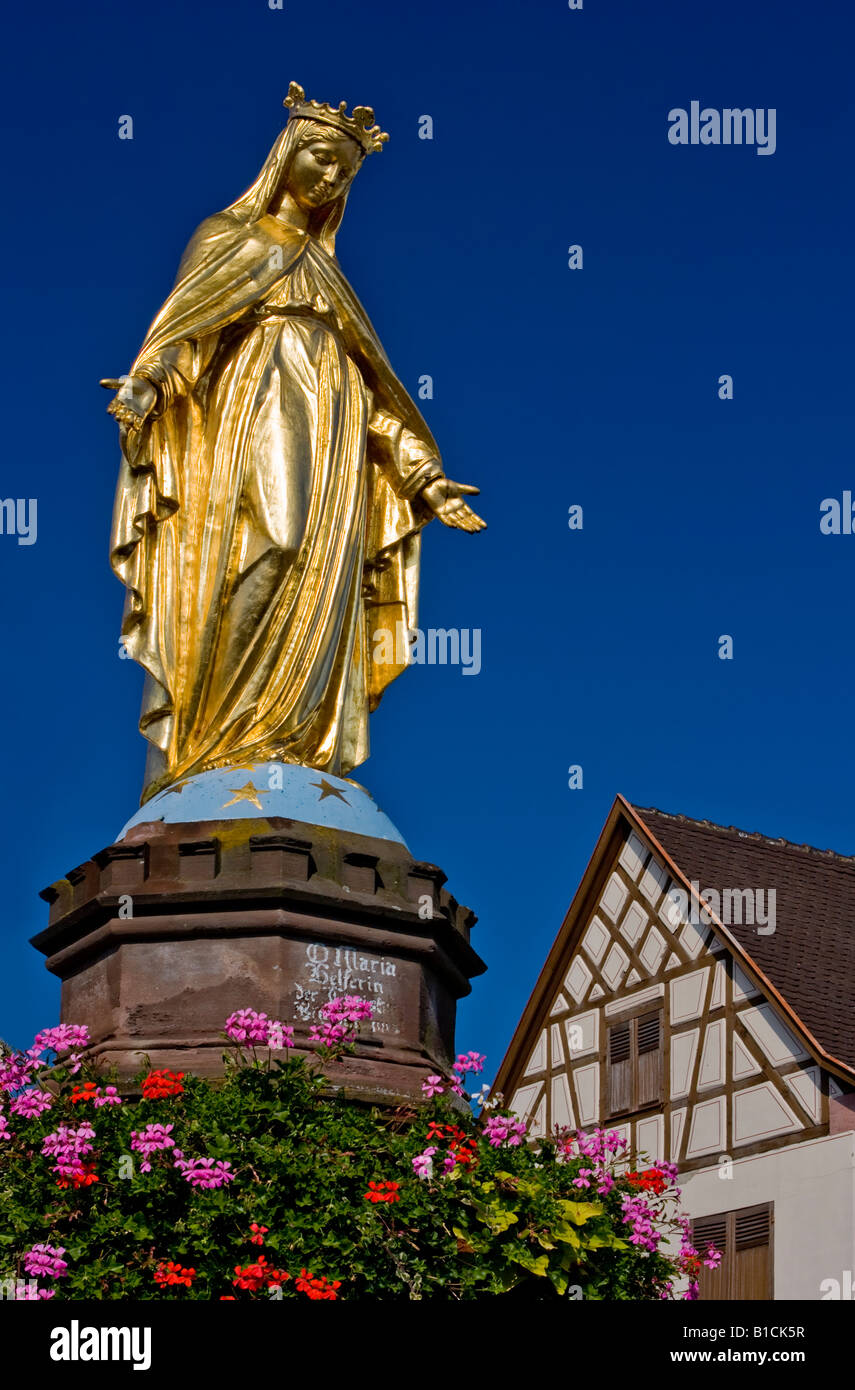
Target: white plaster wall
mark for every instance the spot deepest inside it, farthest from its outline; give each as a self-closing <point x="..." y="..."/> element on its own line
<point x="812" y="1186"/>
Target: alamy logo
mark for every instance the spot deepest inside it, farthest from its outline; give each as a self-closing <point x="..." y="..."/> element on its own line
<point x="437" y="646"/>
<point x="731" y="906"/>
<point x="730" y="126"/>
<point x="76" y="1343"/>
<point x="831" y="1288"/>
<point x="837" y="517"/>
<point x="19" y="518"/>
<point x="19" y="1290"/>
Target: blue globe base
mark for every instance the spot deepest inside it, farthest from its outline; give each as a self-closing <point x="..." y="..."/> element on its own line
<point x="270" y="790"/>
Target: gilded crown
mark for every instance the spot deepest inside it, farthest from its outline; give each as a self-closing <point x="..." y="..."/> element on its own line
<point x="359" y="125"/>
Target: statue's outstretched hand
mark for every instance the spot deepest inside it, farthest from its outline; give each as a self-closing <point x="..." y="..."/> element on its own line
<point x="445" y="500"/>
<point x="133" y="400"/>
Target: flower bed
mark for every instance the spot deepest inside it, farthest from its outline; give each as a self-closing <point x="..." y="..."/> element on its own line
<point x="171" y="1194"/>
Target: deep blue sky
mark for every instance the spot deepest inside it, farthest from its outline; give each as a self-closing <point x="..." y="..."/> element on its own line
<point x="552" y="387"/>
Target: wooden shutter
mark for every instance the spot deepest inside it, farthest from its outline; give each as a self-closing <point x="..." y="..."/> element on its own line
<point x="649" y="1053"/>
<point x="620" y="1068"/>
<point x="745" y="1239"/>
<point x="752" y="1253"/>
<point x="712" y="1230"/>
<point x="635" y="1063"/>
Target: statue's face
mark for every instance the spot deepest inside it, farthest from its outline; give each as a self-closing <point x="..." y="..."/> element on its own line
<point x="322" y="170"/>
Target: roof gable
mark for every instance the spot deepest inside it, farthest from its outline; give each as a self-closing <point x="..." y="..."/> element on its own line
<point x="774" y="964"/>
<point x="650" y="1017"/>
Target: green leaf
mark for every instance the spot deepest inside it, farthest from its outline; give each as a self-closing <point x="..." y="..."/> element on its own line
<point x="535" y="1264"/>
<point x="559" y="1279"/>
<point x="564" y="1232"/>
<point x="580" y="1212"/>
<point x="499" y="1219"/>
<point x="605" y="1242"/>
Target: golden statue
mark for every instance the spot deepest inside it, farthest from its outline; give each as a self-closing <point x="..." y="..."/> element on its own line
<point x="275" y="479"/>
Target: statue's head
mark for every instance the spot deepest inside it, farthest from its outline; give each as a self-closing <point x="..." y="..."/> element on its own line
<point x="315" y="160"/>
<point x="328" y="146"/>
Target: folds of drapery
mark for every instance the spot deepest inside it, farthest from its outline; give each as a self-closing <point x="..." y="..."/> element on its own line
<point x="184" y="510"/>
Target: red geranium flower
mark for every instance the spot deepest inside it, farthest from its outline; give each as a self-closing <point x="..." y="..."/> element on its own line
<point x="168" y="1272"/>
<point x="87" y="1091"/>
<point x="651" y="1180"/>
<point x="320" y="1287"/>
<point x="259" y="1275"/>
<point x="443" y="1132"/>
<point x="159" y="1084"/>
<point x="258" y="1234"/>
<point x="382" y="1192"/>
<point x="84" y="1177"/>
<point x="464" y="1153"/>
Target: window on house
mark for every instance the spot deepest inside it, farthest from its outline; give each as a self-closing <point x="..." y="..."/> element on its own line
<point x="634" y="1062"/>
<point x="745" y="1239"/>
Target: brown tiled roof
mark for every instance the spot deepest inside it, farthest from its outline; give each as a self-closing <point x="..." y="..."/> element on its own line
<point x="810" y="957"/>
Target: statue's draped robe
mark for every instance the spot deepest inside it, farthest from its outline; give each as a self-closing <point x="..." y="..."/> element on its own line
<point x="266" y="522"/>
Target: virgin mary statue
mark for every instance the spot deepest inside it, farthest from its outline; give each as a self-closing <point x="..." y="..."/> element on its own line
<point x="275" y="478"/>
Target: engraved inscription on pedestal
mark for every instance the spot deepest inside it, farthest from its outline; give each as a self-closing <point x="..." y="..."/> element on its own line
<point x="326" y="972"/>
<point x="161" y="983"/>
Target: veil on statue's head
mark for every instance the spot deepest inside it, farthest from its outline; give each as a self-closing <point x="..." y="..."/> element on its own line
<point x="256" y="201"/>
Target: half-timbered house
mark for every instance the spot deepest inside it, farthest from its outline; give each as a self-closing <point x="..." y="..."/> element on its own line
<point x="699" y="999"/>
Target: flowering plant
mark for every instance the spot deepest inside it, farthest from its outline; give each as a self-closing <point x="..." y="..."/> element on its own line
<point x="161" y="1192"/>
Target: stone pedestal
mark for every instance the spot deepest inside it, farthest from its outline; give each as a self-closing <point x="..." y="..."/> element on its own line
<point x="160" y="936"/>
